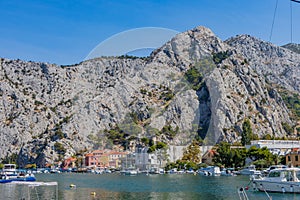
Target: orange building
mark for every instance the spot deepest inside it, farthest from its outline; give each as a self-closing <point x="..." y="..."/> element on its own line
<point x="104" y="158"/>
<point x="293" y="158"/>
<point x="208" y="156"/>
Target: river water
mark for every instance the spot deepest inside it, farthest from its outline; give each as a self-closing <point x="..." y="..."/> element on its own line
<point x="115" y="186"/>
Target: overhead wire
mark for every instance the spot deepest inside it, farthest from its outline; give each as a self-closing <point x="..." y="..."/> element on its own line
<point x="291" y="7"/>
<point x="291" y="19"/>
<point x="273" y="21"/>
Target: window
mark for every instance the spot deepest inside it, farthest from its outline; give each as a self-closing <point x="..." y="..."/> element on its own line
<point x="289" y="158"/>
<point x="296" y="158"/>
<point x="274" y="174"/>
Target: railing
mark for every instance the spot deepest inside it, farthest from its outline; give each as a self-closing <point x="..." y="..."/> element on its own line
<point x="296" y="142"/>
<point x="242" y="194"/>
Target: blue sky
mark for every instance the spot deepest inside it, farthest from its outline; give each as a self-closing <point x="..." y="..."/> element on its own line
<point x="64" y="32"/>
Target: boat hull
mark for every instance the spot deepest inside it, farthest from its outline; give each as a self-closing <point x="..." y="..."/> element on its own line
<point x="281" y="187"/>
<point x="29" y="179"/>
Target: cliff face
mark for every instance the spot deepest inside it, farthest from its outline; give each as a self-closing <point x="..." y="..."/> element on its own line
<point x="293" y="47"/>
<point x="277" y="64"/>
<point x="195" y="84"/>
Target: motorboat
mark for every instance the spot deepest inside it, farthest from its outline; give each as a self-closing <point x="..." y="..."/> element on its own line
<point x="9" y="174"/>
<point x="130" y="171"/>
<point x="227" y="172"/>
<point x="155" y="170"/>
<point x="172" y="171"/>
<point x="266" y="171"/>
<point x="285" y="180"/>
<point x="249" y="170"/>
<point x="210" y="171"/>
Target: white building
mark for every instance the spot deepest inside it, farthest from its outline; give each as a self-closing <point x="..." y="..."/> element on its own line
<point x="279" y="147"/>
<point x="145" y="160"/>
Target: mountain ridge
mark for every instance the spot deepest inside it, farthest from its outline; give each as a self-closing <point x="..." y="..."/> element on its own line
<point x="195" y="85"/>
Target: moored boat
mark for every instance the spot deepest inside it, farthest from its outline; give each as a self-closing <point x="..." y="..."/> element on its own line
<point x="9" y="174"/>
<point x="210" y="171"/>
<point x="267" y="171"/>
<point x="227" y="172"/>
<point x="130" y="171"/>
<point x="156" y="170"/>
<point x="249" y="170"/>
<point x="285" y="180"/>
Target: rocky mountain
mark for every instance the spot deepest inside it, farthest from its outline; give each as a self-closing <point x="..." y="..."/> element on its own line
<point x="293" y="47"/>
<point x="195" y="85"/>
<point x="278" y="65"/>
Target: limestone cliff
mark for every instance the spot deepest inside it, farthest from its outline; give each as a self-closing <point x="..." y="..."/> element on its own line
<point x="51" y="112"/>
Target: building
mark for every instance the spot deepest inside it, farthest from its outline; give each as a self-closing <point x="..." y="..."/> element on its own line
<point x="104" y="158"/>
<point x="128" y="161"/>
<point x="208" y="156"/>
<point x="293" y="158"/>
<point x="145" y="161"/>
<point x="279" y="147"/>
<point x="90" y="160"/>
<point x="142" y="160"/>
<point x="114" y="158"/>
<point x="69" y="163"/>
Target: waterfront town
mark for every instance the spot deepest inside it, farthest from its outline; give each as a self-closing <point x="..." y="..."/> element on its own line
<point x="140" y="158"/>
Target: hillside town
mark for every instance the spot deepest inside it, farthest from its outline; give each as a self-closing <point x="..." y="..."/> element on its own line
<point x="139" y="158"/>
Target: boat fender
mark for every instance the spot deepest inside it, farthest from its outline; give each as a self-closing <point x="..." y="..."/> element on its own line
<point x="254" y="186"/>
<point x="252" y="177"/>
<point x="291" y="189"/>
<point x="283" y="190"/>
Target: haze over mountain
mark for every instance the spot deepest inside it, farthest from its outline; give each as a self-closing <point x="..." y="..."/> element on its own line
<point x="195" y="85"/>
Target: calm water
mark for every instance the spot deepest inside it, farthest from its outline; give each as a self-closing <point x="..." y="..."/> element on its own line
<point x="114" y="186"/>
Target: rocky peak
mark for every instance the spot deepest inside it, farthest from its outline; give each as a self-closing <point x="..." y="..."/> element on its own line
<point x="279" y="65"/>
<point x="195" y="85"/>
<point x="293" y="47"/>
<point x="189" y="47"/>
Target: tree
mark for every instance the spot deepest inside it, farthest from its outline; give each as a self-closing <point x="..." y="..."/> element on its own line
<point x="223" y="156"/>
<point x="192" y="153"/>
<point x="194" y="77"/>
<point x="145" y="140"/>
<point x="262" y="156"/>
<point x="247" y="132"/>
<point x="229" y="157"/>
<point x="157" y="146"/>
<point x="267" y="137"/>
<point x="239" y="157"/>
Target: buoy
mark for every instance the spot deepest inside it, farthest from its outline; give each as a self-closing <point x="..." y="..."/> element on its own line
<point x="93" y="193"/>
<point x="72" y="186"/>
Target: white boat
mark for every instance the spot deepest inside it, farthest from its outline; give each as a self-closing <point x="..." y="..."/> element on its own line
<point x="210" y="171"/>
<point x="155" y="170"/>
<point x="249" y="170"/>
<point x="227" y="172"/>
<point x="130" y="171"/>
<point x="267" y="171"/>
<point x="172" y="171"/>
<point x="9" y="174"/>
<point x="279" y="180"/>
